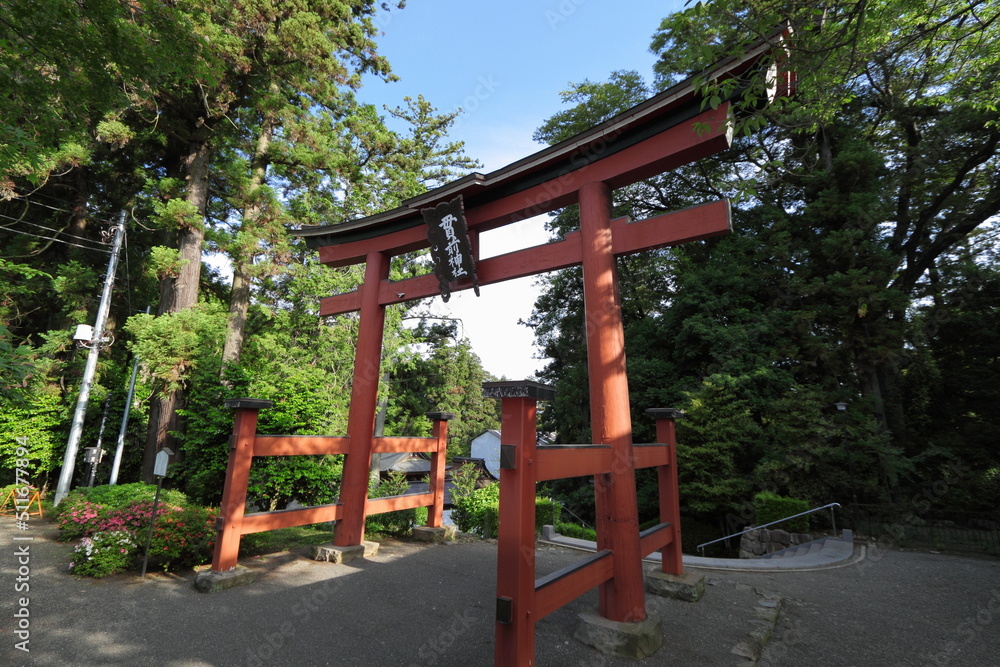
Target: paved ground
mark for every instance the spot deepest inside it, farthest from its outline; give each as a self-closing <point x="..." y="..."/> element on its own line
<point x="433" y="605"/>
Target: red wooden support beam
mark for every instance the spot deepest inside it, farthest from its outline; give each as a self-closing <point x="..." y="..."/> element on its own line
<point x="670" y="510"/>
<point x="650" y="455"/>
<point x="396" y="503"/>
<point x="562" y="461"/>
<point x="297" y="445"/>
<point x="690" y="224"/>
<point x="258" y="522"/>
<point x="622" y="598"/>
<point x="395" y="444"/>
<point x="234" y="493"/>
<point x="439" y="461"/>
<point x="656" y="538"/>
<point x="563" y="586"/>
<point x="364" y="400"/>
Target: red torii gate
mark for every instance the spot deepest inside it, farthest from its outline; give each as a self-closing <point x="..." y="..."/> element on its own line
<point x="667" y="131"/>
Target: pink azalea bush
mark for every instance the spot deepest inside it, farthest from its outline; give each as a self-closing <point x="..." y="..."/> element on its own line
<point x="114" y="537"/>
<point x="106" y="552"/>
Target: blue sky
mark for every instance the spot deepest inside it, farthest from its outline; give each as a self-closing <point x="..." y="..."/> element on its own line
<point x="504" y="64"/>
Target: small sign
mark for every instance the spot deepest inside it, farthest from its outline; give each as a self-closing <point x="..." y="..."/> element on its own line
<point x="160" y="465"/>
<point x="451" y="249"/>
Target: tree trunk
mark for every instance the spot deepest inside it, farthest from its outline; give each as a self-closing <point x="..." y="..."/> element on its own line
<point x="178" y="293"/>
<point x="239" y="298"/>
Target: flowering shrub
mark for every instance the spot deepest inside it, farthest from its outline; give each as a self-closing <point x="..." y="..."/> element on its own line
<point x="76" y="517"/>
<point x="182" y="535"/>
<point x="104" y="553"/>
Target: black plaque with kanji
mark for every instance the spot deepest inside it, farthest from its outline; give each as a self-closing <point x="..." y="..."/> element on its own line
<point x="451" y="249"/>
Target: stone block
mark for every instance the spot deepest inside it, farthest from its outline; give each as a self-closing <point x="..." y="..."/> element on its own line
<point x="436" y="535"/>
<point x="636" y="640"/>
<point x="208" y="581"/>
<point x="334" y="554"/>
<point x="688" y="586"/>
<point x="780" y="536"/>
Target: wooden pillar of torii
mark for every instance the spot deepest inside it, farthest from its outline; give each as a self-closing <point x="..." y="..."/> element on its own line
<point x="667" y="131"/>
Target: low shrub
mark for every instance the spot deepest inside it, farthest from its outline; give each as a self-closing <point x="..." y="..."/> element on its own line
<point x="770" y="507"/>
<point x="576" y="532"/>
<point x="183" y="534"/>
<point x="479" y="511"/>
<point x="397" y="523"/>
<point x="106" y="552"/>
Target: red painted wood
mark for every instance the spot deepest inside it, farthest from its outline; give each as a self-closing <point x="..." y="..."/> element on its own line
<point x="669" y="490"/>
<point x="527" y="262"/>
<point x="296" y="445"/>
<point x="439" y="461"/>
<point x="673" y="147"/>
<point x="364" y="400"/>
<point x="560" y="464"/>
<point x="234" y="494"/>
<point x="623" y="597"/>
<point x="340" y="303"/>
<point x="656" y="541"/>
<point x="515" y="641"/>
<point x="551" y="596"/>
<point x="680" y="145"/>
<point x="690" y="224"/>
<point x="395" y="445"/>
<point x="397" y="243"/>
<point x="304" y="516"/>
<point x="649" y="456"/>
<point x="395" y="503"/>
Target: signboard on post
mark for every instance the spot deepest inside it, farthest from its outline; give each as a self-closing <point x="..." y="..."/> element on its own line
<point x="162" y="459"/>
<point x="451" y="249"/>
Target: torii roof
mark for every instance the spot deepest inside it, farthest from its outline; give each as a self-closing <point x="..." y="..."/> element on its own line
<point x="673" y="106"/>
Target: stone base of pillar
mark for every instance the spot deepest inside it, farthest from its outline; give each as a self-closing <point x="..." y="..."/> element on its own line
<point x="208" y="581"/>
<point x="628" y="640"/>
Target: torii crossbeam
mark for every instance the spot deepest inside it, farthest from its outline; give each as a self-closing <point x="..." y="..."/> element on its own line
<point x="667" y="131"/>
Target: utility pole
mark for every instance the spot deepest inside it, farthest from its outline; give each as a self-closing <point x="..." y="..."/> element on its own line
<point x="76" y="429"/>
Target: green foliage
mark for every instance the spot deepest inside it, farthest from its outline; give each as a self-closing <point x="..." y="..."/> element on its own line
<point x="113" y="525"/>
<point x="772" y="507"/>
<point x="576" y="531"/>
<point x="464" y="480"/>
<point x="478" y="512"/>
<point x="119" y="495"/>
<point x="446" y="379"/>
<point x="36" y="425"/>
<point x="717" y="431"/>
<point x="310" y="480"/>
<point x="400" y="522"/>
<point x="547" y="512"/>
<point x="170" y="346"/>
<point x="104" y="553"/>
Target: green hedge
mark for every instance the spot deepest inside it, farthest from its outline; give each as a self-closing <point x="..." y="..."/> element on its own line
<point x="771" y="507"/>
<point x="576" y="532"/>
<point x="479" y="511"/>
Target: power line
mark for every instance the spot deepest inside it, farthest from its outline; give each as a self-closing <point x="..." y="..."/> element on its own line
<point x="50" y="238"/>
<point x="82" y="239"/>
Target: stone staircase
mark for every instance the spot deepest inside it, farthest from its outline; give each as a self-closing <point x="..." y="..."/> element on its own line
<point x="821" y="553"/>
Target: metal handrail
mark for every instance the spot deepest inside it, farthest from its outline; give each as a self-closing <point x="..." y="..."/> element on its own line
<point x="701" y="547"/>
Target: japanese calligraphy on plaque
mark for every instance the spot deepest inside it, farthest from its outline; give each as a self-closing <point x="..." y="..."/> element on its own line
<point x="451" y="250"/>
